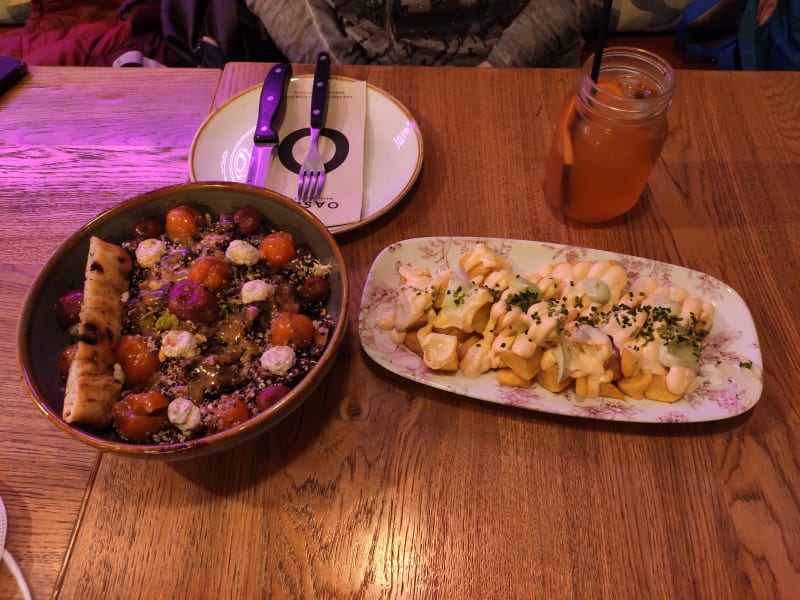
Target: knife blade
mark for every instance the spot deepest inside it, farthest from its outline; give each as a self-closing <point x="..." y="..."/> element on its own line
<point x="270" y="113"/>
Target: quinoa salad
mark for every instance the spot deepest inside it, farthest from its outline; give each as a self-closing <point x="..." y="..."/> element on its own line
<point x="223" y="316"/>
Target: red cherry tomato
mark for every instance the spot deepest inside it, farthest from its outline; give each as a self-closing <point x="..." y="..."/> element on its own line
<point x="138" y="357"/>
<point x="248" y="220"/>
<point x="68" y="308"/>
<point x="270" y="395"/>
<point x="227" y="412"/>
<point x="278" y="249"/>
<point x="193" y="302"/>
<point x="183" y="223"/>
<point x="292" y="329"/>
<point x="315" y="289"/>
<point x="147" y="228"/>
<point x="65" y="359"/>
<point x="211" y="271"/>
<point x="138" y="417"/>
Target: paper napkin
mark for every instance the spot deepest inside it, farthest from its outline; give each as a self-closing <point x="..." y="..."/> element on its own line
<point x="341" y="145"/>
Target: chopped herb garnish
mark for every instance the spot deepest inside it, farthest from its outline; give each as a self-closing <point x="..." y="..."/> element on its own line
<point x="459" y="295"/>
<point x="524" y="299"/>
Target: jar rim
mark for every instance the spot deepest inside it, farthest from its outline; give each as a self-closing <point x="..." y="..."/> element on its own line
<point x="634" y="60"/>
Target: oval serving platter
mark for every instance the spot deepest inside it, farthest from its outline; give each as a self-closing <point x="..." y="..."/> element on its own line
<point x="730" y="377"/>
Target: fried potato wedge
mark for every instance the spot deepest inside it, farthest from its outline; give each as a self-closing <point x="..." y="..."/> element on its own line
<point x="609" y="390"/>
<point x="466" y="344"/>
<point x="481" y="317"/>
<point x="411" y="340"/>
<point x="548" y="379"/>
<point x="613" y="364"/>
<point x="524" y="367"/>
<point x="630" y="362"/>
<point x="636" y="385"/>
<point x="657" y="390"/>
<point x="508" y="378"/>
<point x="456" y="332"/>
<point x="582" y="387"/>
<point x="440" y="352"/>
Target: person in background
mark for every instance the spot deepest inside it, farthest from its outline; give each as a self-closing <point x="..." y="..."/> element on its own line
<point x="497" y="33"/>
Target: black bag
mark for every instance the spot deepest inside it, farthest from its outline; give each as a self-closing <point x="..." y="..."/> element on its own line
<point x="209" y="33"/>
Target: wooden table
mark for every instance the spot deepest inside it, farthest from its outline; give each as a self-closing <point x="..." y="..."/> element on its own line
<point x="379" y="487"/>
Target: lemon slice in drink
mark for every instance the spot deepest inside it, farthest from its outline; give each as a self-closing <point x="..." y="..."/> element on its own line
<point x="569" y="117"/>
<point x="611" y="87"/>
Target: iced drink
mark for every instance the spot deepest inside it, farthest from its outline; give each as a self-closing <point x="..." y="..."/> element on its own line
<point x="609" y="136"/>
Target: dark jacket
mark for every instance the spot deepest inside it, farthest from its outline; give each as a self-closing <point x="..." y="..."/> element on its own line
<point x="209" y="33"/>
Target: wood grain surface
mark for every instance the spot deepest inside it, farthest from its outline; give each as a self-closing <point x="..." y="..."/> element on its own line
<point x="383" y="488"/>
<point x="73" y="142"/>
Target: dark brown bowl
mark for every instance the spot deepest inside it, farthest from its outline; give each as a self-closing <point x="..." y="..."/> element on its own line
<point x="40" y="340"/>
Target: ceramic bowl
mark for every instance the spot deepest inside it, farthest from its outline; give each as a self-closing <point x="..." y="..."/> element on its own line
<point x="40" y="339"/>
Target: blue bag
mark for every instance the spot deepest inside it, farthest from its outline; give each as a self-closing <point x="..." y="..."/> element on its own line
<point x="773" y="45"/>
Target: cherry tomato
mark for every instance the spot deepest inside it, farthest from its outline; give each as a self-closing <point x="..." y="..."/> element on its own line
<point x="227" y="412"/>
<point x="211" y="271"/>
<point x="138" y="358"/>
<point x="65" y="359"/>
<point x="183" y="222"/>
<point x="193" y="302"/>
<point x="248" y="220"/>
<point x="278" y="249"/>
<point x="68" y="308"/>
<point x="270" y="395"/>
<point x="291" y="329"/>
<point x="286" y="298"/>
<point x="147" y="228"/>
<point x="315" y="289"/>
<point x="140" y="416"/>
<point x="147" y="403"/>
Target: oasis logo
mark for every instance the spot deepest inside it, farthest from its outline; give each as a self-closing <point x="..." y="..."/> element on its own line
<point x="320" y="203"/>
<point x="286" y="154"/>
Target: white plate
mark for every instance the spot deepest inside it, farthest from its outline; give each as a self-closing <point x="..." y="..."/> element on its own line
<point x="730" y="372"/>
<point x="392" y="148"/>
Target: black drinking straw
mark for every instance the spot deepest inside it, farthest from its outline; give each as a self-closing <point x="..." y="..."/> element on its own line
<point x="601" y="40"/>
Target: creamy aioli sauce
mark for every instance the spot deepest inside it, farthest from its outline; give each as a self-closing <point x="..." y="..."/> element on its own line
<point x="587" y="310"/>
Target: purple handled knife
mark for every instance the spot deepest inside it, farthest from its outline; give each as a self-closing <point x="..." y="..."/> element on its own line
<point x="270" y="113"/>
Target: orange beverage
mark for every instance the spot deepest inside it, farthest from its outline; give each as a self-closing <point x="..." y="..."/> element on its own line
<point x="609" y="135"/>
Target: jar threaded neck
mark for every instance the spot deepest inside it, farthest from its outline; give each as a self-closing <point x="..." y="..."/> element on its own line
<point x="633" y="84"/>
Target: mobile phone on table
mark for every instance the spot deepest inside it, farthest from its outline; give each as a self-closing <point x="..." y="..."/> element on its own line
<point x="12" y="70"/>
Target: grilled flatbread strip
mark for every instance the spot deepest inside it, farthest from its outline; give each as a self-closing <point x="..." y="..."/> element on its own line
<point x="91" y="389"/>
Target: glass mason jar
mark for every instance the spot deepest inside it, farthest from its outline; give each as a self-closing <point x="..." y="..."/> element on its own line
<point x="609" y="135"/>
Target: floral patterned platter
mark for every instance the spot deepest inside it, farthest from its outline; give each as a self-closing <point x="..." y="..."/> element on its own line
<point x="730" y="365"/>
